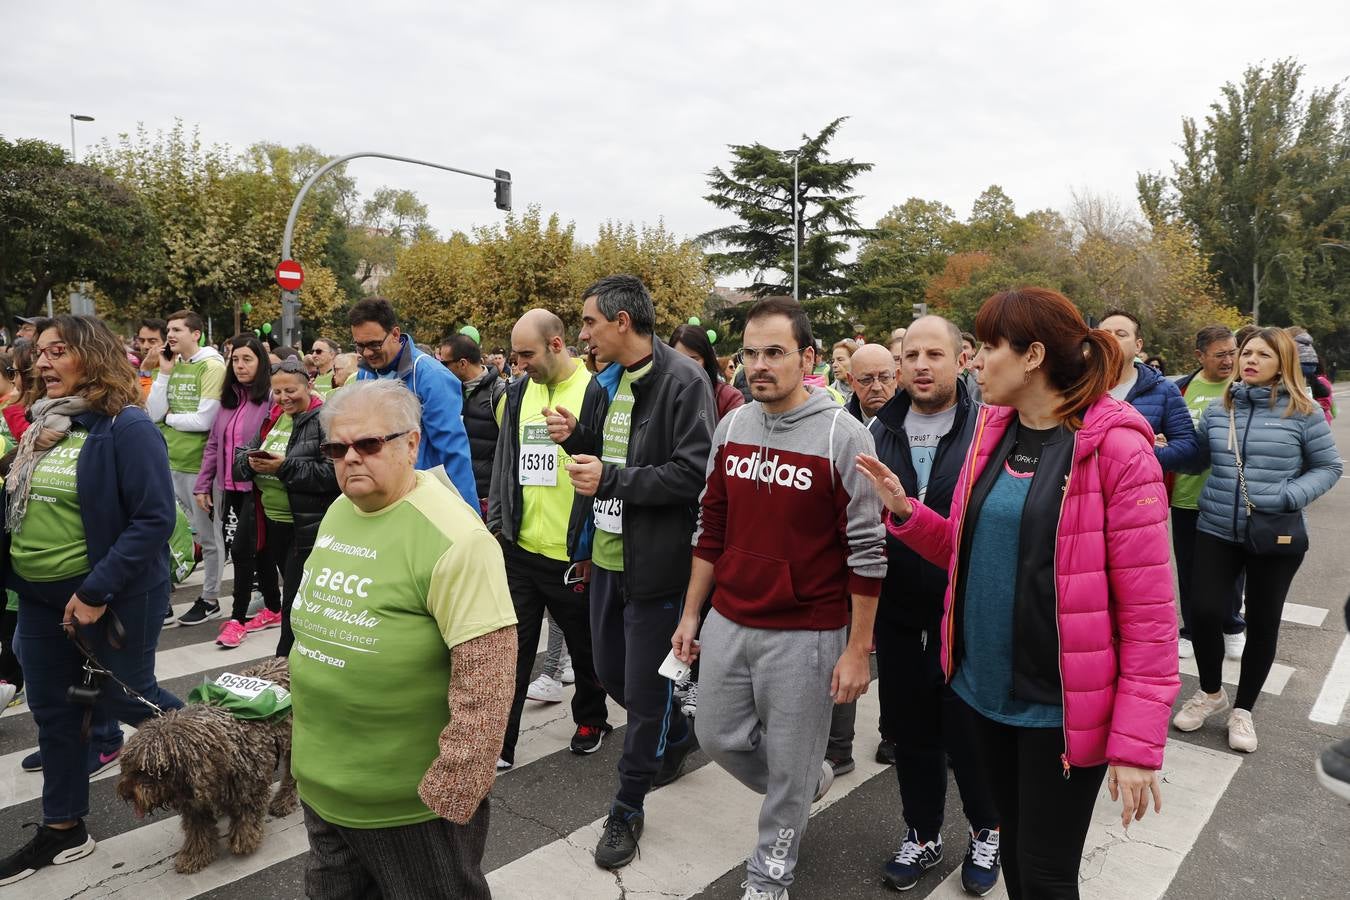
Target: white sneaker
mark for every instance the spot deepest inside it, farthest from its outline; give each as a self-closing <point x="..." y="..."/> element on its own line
<point x="503" y="766"/>
<point x="545" y="689"/>
<point x="1233" y="644"/>
<point x="1185" y="649"/>
<point x="569" y="676"/>
<point x="826" y="779"/>
<point x="7" y="692"/>
<point x="1200" y="707"/>
<point x="754" y="893"/>
<point x="1241" y="731"/>
<point x="565" y="667"/>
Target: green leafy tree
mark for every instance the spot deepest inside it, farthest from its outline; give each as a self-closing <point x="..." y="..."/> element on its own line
<point x="62" y="223"/>
<point x="757" y="189"/>
<point x="906" y="249"/>
<point x="674" y="271"/>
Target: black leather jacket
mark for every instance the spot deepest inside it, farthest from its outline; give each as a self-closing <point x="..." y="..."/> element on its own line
<point x="311" y="483"/>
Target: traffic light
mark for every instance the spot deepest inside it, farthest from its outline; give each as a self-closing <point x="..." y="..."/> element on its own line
<point x="503" y="190"/>
<point x="920" y="310"/>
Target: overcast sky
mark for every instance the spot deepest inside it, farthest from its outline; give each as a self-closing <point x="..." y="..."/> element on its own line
<point x="616" y="110"/>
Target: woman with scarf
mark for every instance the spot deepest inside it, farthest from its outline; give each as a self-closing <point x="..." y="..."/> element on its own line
<point x="88" y="521"/>
<point x="293" y="483"/>
<point x="244" y="403"/>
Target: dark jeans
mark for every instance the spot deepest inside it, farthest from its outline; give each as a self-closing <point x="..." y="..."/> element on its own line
<point x="629" y="642"/>
<point x="436" y="860"/>
<point x="10" y="670"/>
<point x="52" y="664"/>
<point x="296" y="557"/>
<point x="1183" y="548"/>
<point x="1044" y="816"/>
<point x="536" y="584"/>
<point x="1268" y="580"/>
<point x="930" y="724"/>
<point x="252" y="563"/>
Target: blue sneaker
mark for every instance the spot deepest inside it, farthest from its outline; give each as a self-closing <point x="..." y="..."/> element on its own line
<point x="912" y="860"/>
<point x="979" y="870"/>
<point x="100" y="760"/>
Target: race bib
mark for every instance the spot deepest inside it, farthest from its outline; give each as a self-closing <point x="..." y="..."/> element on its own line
<point x="609" y="515"/>
<point x="247" y="687"/>
<point x="538" y="457"/>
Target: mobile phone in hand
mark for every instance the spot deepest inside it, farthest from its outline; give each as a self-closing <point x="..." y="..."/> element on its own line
<point x="261" y="454"/>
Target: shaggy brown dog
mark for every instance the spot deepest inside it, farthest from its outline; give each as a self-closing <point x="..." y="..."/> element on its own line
<point x="203" y="763"/>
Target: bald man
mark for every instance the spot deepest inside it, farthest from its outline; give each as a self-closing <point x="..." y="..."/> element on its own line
<point x="872" y="377"/>
<point x="539" y="517"/>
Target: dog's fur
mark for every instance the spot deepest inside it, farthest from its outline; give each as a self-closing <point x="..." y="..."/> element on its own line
<point x="203" y="763"/>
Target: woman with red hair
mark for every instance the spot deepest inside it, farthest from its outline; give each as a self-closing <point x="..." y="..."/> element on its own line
<point x="1059" y="630"/>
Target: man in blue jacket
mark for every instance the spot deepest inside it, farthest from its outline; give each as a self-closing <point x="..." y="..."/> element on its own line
<point x="1155" y="397"/>
<point x="386" y="352"/>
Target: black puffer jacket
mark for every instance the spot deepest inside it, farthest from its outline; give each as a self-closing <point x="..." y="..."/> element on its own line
<point x="480" y="423"/>
<point x="311" y="483"/>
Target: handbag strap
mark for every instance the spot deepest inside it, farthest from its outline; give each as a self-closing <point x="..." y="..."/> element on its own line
<point x="1237" y="454"/>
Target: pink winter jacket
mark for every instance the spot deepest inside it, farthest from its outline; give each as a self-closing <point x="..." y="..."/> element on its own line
<point x="1113" y="583"/>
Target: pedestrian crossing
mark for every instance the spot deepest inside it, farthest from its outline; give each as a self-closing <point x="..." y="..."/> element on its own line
<point x="548" y="811"/>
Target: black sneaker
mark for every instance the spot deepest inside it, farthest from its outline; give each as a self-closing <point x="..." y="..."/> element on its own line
<point x="589" y="737"/>
<point x="203" y="610"/>
<point x="1333" y="769"/>
<point x="886" y="752"/>
<point x="672" y="764"/>
<point x="49" y="847"/>
<point x="619" y="844"/>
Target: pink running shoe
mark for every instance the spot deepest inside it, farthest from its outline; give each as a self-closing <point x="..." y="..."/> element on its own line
<point x="264" y="619"/>
<point x="232" y="634"/>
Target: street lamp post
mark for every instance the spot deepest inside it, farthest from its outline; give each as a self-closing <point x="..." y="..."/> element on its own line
<point x="73" y="119"/>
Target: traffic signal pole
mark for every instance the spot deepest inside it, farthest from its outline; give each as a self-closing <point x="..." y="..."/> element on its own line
<point x="289" y="304"/>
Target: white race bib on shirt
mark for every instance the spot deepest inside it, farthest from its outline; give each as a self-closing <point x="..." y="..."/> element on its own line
<point x="538" y="464"/>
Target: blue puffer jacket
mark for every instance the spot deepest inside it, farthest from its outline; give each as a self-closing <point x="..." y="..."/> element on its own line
<point x="1159" y="401"/>
<point x="1289" y="462"/>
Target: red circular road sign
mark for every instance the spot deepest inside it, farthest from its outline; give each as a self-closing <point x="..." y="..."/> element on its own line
<point x="289" y="275"/>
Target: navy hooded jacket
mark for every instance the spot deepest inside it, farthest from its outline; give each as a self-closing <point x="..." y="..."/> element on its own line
<point x="1159" y="401"/>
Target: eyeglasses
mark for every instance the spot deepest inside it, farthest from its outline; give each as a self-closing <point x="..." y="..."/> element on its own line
<point x="880" y="378"/>
<point x="1227" y="354"/>
<point x="748" y="356"/>
<point x="51" y="351"/>
<point x="364" y="446"/>
<point x="372" y="346"/>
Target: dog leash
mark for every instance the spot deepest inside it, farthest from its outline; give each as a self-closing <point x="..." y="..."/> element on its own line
<point x="87" y="691"/>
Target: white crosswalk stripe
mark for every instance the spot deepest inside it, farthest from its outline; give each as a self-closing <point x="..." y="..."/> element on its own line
<point x="1275" y="682"/>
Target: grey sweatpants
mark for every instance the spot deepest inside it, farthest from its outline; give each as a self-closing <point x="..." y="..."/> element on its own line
<point x="206" y="529"/>
<point x="764" y="715"/>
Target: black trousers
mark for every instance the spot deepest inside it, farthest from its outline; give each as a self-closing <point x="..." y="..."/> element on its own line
<point x="536" y="584"/>
<point x="1268" y="580"/>
<point x="296" y="557"/>
<point x="1183" y="548"/>
<point x="10" y="670"/>
<point x="930" y="723"/>
<point x="425" y="861"/>
<point x="631" y="638"/>
<point x="1044" y="816"/>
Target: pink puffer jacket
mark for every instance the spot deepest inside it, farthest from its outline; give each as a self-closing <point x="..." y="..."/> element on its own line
<point x="1113" y="581"/>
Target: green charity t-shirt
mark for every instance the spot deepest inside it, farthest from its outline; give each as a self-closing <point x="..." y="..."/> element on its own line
<point x="49" y="545"/>
<point x="383" y="599"/>
<point x="189" y="384"/>
<point x="276" y="503"/>
<point x="607" y="550"/>
<point x="1199" y="394"/>
<point x="244" y="696"/>
<point x="323" y="384"/>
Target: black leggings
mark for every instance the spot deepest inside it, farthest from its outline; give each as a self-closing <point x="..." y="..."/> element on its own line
<point x="9" y="663"/>
<point x="1044" y="816"/>
<point x="1217" y="563"/>
<point x="296" y="557"/>
<point x="263" y="565"/>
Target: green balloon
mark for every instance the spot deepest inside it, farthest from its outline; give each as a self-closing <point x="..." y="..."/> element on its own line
<point x="267" y="328"/>
<point x="693" y="320"/>
<point x="257" y="332"/>
<point x="712" y="336"/>
<point x="247" y="308"/>
<point x="471" y="332"/>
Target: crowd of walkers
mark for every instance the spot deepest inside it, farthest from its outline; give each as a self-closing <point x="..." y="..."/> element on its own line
<point x="988" y="513"/>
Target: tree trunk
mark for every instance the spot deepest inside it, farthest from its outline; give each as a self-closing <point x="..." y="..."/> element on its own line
<point x="36" y="302"/>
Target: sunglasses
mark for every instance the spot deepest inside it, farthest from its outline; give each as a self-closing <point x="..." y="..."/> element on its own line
<point x="364" y="446"/>
<point x="289" y="365"/>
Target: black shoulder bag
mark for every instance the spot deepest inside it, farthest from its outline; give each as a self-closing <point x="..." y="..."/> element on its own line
<point x="1268" y="533"/>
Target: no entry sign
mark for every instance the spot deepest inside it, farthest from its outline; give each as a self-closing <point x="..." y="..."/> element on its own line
<point x="289" y="275"/>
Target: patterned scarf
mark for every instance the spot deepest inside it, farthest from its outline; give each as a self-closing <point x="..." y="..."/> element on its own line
<point x="51" y="423"/>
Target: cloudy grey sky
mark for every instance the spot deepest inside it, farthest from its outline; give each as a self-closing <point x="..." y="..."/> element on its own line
<point x="615" y="110"/>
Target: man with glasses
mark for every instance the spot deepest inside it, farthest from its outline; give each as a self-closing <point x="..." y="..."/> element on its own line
<point x="543" y="522"/>
<point x="1216" y="351"/>
<point x="775" y="655"/>
<point x="871" y="374"/>
<point x="646" y="482"/>
<point x="184" y="401"/>
<point x="386" y="352"/>
<point x="150" y="339"/>
<point x="402" y="666"/>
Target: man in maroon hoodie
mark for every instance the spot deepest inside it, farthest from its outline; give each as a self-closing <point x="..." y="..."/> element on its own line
<point x="776" y="652"/>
